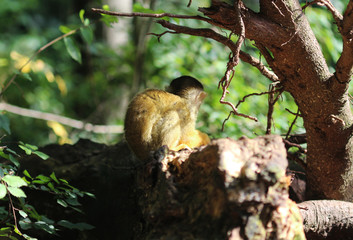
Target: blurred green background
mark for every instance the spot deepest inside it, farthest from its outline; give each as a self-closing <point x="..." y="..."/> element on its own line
<point x="120" y="61"/>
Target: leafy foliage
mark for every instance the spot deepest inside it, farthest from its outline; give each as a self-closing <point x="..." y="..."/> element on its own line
<point x="22" y="216"/>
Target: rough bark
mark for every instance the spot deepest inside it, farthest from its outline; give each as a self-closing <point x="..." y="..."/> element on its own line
<point x="283" y="35"/>
<point x="228" y="190"/>
<point x="327" y="219"/>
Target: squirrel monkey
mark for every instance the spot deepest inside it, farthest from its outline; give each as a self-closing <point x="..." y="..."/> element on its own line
<point x="155" y="118"/>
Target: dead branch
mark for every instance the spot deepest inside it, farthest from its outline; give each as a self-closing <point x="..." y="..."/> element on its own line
<point x="60" y="119"/>
<point x="327" y="219"/>
<point x="292" y="124"/>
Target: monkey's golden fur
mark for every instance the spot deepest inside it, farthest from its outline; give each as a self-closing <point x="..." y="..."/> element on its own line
<point x="155" y="118"/>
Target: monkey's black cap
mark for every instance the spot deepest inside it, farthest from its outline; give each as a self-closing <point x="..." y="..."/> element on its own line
<point x="181" y="84"/>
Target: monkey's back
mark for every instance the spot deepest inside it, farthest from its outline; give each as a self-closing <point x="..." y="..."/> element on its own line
<point x="153" y="119"/>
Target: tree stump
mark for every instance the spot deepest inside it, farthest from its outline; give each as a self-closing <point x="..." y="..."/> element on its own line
<point x="228" y="189"/>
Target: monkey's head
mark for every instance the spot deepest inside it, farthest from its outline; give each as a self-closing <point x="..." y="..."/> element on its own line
<point x="189" y="88"/>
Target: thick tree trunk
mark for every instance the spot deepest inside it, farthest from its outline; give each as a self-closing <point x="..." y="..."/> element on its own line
<point x="284" y="37"/>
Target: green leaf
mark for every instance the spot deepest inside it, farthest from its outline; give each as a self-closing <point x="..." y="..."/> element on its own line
<point x="23" y="213"/>
<point x="12" y="151"/>
<point x="64" y="181"/>
<point x="32" y="147"/>
<point x="14" y="160"/>
<point x="80" y="226"/>
<point x="73" y="202"/>
<point x="73" y="49"/>
<point x="89" y="194"/>
<point x="87" y="34"/>
<point x="65" y="29"/>
<point x="43" y="178"/>
<point x="14" y="181"/>
<point x="3" y="191"/>
<point x="41" y="155"/>
<point x="84" y="226"/>
<point x="54" y="178"/>
<point x="26" y="173"/>
<point x="51" y="186"/>
<point x="5" y="123"/>
<point x="26" y="76"/>
<point x="108" y="19"/>
<point x="4" y="155"/>
<point x="44" y="226"/>
<point x="62" y="203"/>
<point x="82" y="12"/>
<point x="17" y="192"/>
<point x="86" y="22"/>
<point x="28" y="148"/>
<point x="137" y="7"/>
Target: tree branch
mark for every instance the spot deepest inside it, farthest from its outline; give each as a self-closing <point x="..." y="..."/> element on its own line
<point x="151" y="15"/>
<point x="60" y="119"/>
<point x="209" y="33"/>
<point x="344" y="67"/>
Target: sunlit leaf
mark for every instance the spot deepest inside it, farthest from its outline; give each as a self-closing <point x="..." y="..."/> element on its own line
<point x="3" y="190"/>
<point x="62" y="203"/>
<point x="14" y="181"/>
<point x="17" y="192"/>
<point x="108" y="19"/>
<point x="64" y="29"/>
<point x="41" y="155"/>
<point x="82" y="12"/>
<point x="54" y="178"/>
<point x="44" y="178"/>
<point x="86" y="22"/>
<point x="73" y="49"/>
<point x="26" y="173"/>
<point x="23" y="213"/>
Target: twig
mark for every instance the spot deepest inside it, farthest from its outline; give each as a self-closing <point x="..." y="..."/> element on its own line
<point x="295" y="114"/>
<point x="209" y="33"/>
<point x="151" y="15"/>
<point x="60" y="119"/>
<point x="290" y="144"/>
<point x="292" y="124"/>
<point x="253" y="94"/>
<point x="159" y="35"/>
<point x="13" y="209"/>
<point x="256" y="63"/>
<point x="271" y="102"/>
<point x="232" y="63"/>
<point x="310" y="3"/>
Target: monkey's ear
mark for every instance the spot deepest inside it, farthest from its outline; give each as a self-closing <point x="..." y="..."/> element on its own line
<point x="202" y="96"/>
